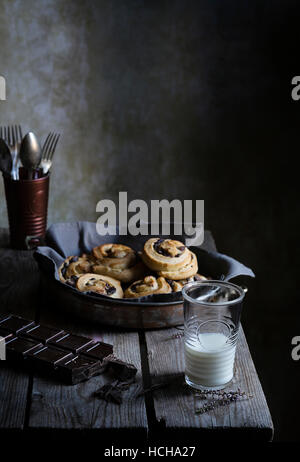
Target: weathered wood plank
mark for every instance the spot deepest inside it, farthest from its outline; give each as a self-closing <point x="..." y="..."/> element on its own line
<point x="13" y="398"/>
<point x="19" y="281"/>
<point x="175" y="403"/>
<point x="61" y="407"/>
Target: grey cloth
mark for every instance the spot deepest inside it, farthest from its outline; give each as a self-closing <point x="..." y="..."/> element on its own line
<point x="66" y="239"/>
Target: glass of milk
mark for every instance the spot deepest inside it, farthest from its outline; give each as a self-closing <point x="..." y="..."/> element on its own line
<point x="212" y="312"/>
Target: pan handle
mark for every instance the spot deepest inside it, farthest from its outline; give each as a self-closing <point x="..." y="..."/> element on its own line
<point x="244" y="288"/>
<point x="32" y="242"/>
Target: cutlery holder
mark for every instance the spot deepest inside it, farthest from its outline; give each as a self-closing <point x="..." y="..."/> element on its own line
<point x="27" y="203"/>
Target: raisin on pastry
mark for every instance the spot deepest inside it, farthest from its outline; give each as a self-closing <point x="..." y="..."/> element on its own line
<point x="178" y="285"/>
<point x="100" y="284"/>
<point x="147" y="286"/>
<point x="165" y="254"/>
<point x="188" y="270"/>
<point x="73" y="267"/>
<point x="118" y="261"/>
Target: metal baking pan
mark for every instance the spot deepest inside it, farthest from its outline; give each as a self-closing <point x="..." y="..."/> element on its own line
<point x="111" y="311"/>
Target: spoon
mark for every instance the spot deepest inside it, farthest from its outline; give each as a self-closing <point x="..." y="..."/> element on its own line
<point x="30" y="153"/>
<point x="5" y="158"/>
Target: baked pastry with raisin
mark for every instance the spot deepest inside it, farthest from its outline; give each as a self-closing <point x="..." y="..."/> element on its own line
<point x="178" y="285"/>
<point x="147" y="286"/>
<point x="116" y="255"/>
<point x="118" y="261"/>
<point x="165" y="254"/>
<point x="73" y="267"/>
<point x="188" y="270"/>
<point x="100" y="284"/>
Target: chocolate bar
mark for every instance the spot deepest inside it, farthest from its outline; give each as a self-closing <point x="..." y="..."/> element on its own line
<point x="72" y="358"/>
<point x="15" y="324"/>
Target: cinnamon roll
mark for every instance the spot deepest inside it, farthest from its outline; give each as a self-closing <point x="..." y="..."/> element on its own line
<point x="165" y="254"/>
<point x="73" y="267"/>
<point x="188" y="270"/>
<point x="147" y="286"/>
<point x="100" y="284"/>
<point x="118" y="261"/>
<point x="178" y="285"/>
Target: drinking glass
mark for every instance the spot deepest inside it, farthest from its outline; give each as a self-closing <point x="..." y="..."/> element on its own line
<point x="212" y="313"/>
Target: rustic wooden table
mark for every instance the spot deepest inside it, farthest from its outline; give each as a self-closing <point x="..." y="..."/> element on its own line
<point x="30" y="404"/>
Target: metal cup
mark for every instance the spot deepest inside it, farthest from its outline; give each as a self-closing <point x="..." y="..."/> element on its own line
<point x="27" y="203"/>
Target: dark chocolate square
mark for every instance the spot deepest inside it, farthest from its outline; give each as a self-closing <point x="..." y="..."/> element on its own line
<point x="98" y="350"/>
<point x="15" y="324"/>
<point x="49" y="356"/>
<point x="17" y="348"/>
<point x="71" y="342"/>
<point x="4" y="316"/>
<point x="5" y="334"/>
<point x="42" y="333"/>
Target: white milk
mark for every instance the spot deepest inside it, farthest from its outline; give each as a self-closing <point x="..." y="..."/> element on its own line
<point x="210" y="361"/>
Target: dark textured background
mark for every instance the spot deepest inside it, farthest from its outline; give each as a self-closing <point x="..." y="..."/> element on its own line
<point x="176" y="99"/>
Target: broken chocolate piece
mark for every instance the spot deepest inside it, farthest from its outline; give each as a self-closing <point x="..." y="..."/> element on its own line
<point x="110" y="393"/>
<point x="123" y="371"/>
<point x="78" y="369"/>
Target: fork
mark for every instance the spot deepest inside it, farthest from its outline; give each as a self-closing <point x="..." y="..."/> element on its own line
<point x="48" y="150"/>
<point x="12" y="135"/>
